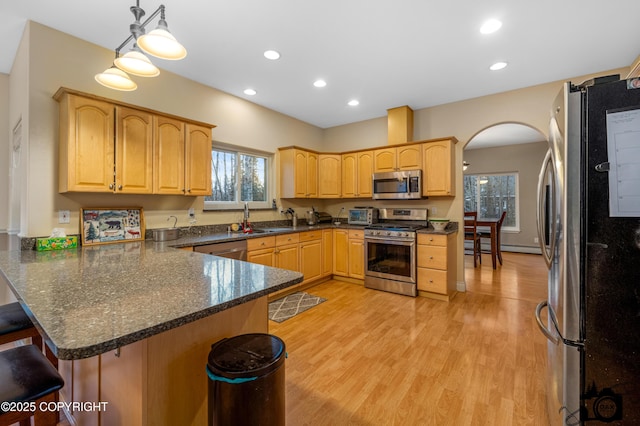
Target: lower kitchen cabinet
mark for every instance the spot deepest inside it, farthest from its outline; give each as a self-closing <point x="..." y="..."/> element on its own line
<point x="341" y="252"/>
<point x="437" y="265"/>
<point x="287" y="252"/>
<point x="311" y="255"/>
<point x="348" y="253"/>
<point x="356" y="253"/>
<point x="327" y="252"/>
<point x="261" y="251"/>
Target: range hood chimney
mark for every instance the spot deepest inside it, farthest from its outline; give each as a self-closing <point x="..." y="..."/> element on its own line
<point x="400" y="125"/>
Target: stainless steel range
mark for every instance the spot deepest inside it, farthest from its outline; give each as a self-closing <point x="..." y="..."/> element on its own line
<point x="390" y="250"/>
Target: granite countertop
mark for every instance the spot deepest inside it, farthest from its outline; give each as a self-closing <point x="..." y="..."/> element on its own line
<point x="452" y="228"/>
<point x="221" y="237"/>
<point x="98" y="298"/>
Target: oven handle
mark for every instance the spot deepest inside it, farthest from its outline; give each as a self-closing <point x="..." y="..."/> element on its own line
<point x="390" y="240"/>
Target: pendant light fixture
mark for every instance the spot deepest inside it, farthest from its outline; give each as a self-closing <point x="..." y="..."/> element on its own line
<point x="159" y="43"/>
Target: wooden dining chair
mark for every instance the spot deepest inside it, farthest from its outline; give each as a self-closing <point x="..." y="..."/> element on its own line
<point x="471" y="234"/>
<point x="486" y="233"/>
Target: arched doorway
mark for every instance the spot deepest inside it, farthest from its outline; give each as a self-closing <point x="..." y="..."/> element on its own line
<point x="501" y="164"/>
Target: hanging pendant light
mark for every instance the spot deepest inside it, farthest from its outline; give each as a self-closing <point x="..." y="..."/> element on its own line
<point x="115" y="78"/>
<point x="159" y="43"/>
<point x="135" y="62"/>
<point x="162" y="44"/>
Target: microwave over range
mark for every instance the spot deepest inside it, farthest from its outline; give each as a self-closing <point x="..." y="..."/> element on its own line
<point x="400" y="185"/>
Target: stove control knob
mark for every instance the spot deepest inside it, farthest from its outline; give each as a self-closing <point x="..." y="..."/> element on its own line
<point x="388" y="233"/>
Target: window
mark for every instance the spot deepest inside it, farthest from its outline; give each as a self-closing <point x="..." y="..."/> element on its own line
<point x="490" y="195"/>
<point x="239" y="176"/>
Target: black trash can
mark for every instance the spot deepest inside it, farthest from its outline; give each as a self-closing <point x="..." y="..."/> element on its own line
<point x="247" y="381"/>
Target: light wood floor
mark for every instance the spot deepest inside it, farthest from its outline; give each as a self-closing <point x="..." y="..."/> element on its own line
<point x="366" y="357"/>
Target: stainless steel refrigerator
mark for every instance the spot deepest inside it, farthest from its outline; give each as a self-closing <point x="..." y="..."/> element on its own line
<point x="589" y="230"/>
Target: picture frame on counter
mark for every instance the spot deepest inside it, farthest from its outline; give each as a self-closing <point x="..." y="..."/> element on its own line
<point x="102" y="225"/>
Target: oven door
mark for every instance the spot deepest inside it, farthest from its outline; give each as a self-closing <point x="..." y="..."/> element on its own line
<point x="390" y="259"/>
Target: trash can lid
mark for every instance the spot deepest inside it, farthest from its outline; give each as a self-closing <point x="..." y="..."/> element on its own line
<point x="247" y="355"/>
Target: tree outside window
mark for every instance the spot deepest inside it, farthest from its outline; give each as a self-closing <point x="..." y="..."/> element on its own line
<point x="491" y="194"/>
<point x="236" y="178"/>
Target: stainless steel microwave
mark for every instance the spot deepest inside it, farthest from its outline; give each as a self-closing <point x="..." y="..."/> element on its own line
<point x="401" y="185"/>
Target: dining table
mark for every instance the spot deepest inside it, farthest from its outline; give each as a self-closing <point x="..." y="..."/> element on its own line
<point x="492" y="224"/>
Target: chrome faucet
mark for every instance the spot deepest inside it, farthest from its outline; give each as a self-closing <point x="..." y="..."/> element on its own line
<point x="245" y="219"/>
<point x="175" y="220"/>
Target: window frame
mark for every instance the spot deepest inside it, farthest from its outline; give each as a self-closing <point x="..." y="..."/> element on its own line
<point x="505" y="227"/>
<point x="269" y="178"/>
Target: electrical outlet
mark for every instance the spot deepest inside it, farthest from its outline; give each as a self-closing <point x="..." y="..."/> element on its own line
<point x="536" y="240"/>
<point x="434" y="210"/>
<point x="63" y="216"/>
<point x="192" y="213"/>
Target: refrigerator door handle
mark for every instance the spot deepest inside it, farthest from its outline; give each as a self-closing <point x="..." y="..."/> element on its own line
<point x="547" y="167"/>
<point x="556" y="340"/>
<point x="547" y="333"/>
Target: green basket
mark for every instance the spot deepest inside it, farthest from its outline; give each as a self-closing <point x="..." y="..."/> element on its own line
<point x="56" y="243"/>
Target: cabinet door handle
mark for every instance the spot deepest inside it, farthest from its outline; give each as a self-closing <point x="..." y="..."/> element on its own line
<point x="111" y="185"/>
<point x="189" y="190"/>
<point x="120" y="187"/>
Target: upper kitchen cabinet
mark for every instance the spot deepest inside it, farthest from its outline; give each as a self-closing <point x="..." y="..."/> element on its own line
<point x="329" y="176"/>
<point x="298" y="173"/>
<point x="392" y="159"/>
<point x="198" y="160"/>
<point x="357" y="168"/>
<point x="134" y="151"/>
<point x="439" y="168"/>
<point x="108" y="146"/>
<point x="86" y="145"/>
<point x="168" y="161"/>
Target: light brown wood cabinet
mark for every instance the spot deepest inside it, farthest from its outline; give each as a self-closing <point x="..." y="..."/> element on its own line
<point x="87" y="151"/>
<point x="169" y="152"/>
<point x="439" y="175"/>
<point x="280" y="251"/>
<point x="341" y="252"/>
<point x="356" y="254"/>
<point x="134" y="151"/>
<point x="327" y="252"/>
<point x="298" y="173"/>
<point x="197" y="160"/>
<point x="437" y="265"/>
<point x="398" y="158"/>
<point x="329" y="176"/>
<point x="287" y="252"/>
<point x="107" y="146"/>
<point x="311" y="255"/>
<point x="261" y="251"/>
<point x="348" y="253"/>
<point x="357" y="170"/>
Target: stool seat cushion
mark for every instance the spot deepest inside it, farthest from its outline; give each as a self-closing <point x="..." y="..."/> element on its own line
<point x="13" y="318"/>
<point x="26" y="375"/>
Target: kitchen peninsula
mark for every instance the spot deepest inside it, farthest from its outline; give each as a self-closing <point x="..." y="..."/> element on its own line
<point x="132" y="323"/>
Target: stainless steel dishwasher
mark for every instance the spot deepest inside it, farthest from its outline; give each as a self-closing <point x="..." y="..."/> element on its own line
<point x="230" y="249"/>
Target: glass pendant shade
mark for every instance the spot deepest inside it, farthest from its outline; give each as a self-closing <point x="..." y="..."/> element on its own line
<point x="115" y="78"/>
<point x="161" y="43"/>
<point x="135" y="62"/>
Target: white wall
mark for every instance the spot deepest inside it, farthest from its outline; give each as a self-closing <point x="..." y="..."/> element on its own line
<point x="5" y="152"/>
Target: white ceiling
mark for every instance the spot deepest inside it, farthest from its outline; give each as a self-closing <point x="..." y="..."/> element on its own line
<point x="505" y="134"/>
<point x="384" y="53"/>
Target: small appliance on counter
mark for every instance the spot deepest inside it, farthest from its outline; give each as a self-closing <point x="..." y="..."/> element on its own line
<point x="362" y="216"/>
<point x="324" y="217"/>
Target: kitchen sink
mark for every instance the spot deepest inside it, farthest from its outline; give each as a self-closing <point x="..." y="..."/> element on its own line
<point x="268" y="230"/>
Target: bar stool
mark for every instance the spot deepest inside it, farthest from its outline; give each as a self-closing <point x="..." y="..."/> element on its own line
<point x="16" y="325"/>
<point x="26" y="376"/>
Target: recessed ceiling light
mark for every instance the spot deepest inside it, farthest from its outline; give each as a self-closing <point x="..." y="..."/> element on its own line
<point x="498" y="66"/>
<point x="319" y="83"/>
<point x="353" y="102"/>
<point x="490" y="26"/>
<point x="271" y="54"/>
<point x="249" y="92"/>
